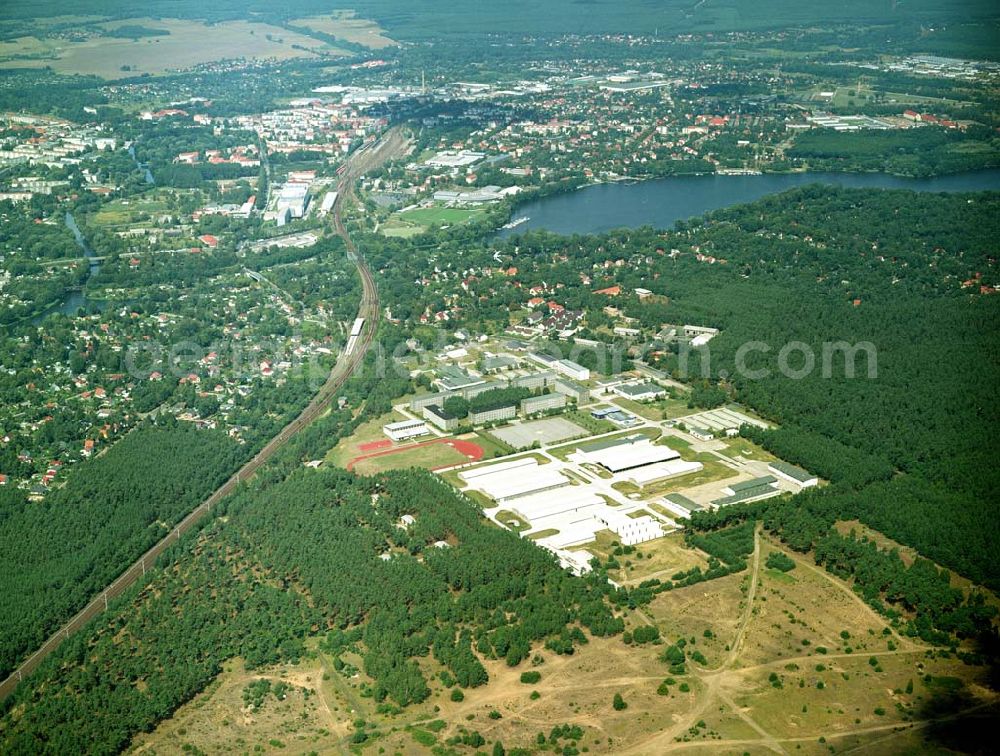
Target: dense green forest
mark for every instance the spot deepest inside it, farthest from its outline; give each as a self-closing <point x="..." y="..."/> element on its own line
<point x="914" y="152"/>
<point x="422" y="18"/>
<point x="56" y="554"/>
<point x="258" y="584"/>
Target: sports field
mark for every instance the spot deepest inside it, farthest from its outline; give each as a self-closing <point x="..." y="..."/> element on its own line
<point x="433" y="454"/>
<point x="416" y="221"/>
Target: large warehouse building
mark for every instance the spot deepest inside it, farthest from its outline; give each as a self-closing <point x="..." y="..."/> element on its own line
<point x="508" y="481"/>
<point x="293" y="197"/>
<point x="545" y="498"/>
<point x="636" y="459"/>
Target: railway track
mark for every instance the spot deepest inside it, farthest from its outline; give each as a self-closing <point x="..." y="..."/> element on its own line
<point x="386" y="147"/>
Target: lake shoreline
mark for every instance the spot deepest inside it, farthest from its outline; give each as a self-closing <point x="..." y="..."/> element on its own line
<point x="593" y="207"/>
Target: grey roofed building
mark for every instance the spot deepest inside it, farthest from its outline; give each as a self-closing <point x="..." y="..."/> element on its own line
<point x="533" y="380"/>
<point x="500" y="362"/>
<point x="576" y="391"/>
<point x="417" y="403"/>
<point x="640" y="391"/>
<point x="796" y="474"/>
<point x="681" y="505"/>
<point x="749" y="490"/>
<point x="492" y="415"/>
<point x="452" y="378"/>
<point x="541" y="403"/>
<point x="683" y="501"/>
<point x="480" y="388"/>
<point x="542" y="359"/>
<point x="764" y="480"/>
<point x="440" y="417"/>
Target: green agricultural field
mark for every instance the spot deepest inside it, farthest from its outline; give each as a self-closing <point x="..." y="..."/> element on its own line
<point x="183" y="44"/>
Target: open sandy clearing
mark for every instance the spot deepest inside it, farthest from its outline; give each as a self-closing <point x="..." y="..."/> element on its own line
<point x="773" y="694"/>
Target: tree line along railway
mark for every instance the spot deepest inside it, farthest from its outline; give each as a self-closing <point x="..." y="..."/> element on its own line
<point x="361" y="337"/>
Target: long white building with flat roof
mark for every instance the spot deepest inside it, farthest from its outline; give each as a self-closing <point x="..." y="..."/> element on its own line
<point x="405" y="429"/>
<point x="626" y="453"/>
<point x="636" y="459"/>
<point x="508" y="481"/>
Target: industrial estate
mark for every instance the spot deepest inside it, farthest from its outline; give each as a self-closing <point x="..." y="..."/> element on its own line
<point x="597" y="459"/>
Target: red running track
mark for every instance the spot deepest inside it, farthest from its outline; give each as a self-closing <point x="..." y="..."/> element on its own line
<point x="472" y="451"/>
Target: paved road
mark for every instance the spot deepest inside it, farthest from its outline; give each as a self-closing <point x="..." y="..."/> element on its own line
<point x="391" y="144"/>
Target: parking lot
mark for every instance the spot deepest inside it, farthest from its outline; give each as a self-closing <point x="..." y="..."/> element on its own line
<point x="548" y="430"/>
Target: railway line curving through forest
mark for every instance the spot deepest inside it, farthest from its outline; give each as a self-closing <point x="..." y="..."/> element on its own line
<point x="368" y="157"/>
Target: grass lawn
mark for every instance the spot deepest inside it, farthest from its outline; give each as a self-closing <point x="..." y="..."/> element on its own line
<point x="512" y="521"/>
<point x="597" y="470"/>
<point x="673" y="408"/>
<point x="741" y="447"/>
<point x="674" y="442"/>
<point x="426" y="216"/>
<point x="656" y="507"/>
<point x="429" y="456"/>
<point x="491" y="446"/>
<point x="417" y="221"/>
<point x="349" y="448"/>
<point x="587" y="421"/>
<point x="543" y="534"/>
<point x="712" y="471"/>
<point x="484" y="501"/>
<point x="649" y="411"/>
<point x="401" y="230"/>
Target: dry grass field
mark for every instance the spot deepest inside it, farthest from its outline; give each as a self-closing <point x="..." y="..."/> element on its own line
<point x="189" y="43"/>
<point x="310" y="718"/>
<point x="346" y="26"/>
<point x="659" y="559"/>
<point x="759" y="688"/>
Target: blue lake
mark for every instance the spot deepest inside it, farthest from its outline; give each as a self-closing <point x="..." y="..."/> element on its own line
<point x="662" y="202"/>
